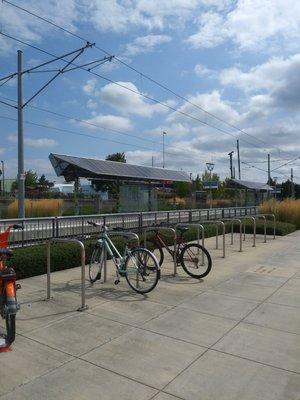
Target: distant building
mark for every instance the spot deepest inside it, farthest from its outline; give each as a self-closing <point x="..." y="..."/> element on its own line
<point x="66" y="188"/>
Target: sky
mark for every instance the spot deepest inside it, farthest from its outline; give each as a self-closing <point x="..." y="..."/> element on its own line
<point x="234" y="65"/>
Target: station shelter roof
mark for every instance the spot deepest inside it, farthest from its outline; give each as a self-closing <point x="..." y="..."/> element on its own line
<point x="71" y="167"/>
<point x="249" y="185"/>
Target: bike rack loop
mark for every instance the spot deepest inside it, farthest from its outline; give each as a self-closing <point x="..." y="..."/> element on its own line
<point x="274" y="222"/>
<point x="241" y="231"/>
<point x="164" y="228"/>
<point x="116" y="233"/>
<point x="217" y="222"/>
<point x="254" y="228"/>
<point x="199" y="226"/>
<point x="265" y="225"/>
<point x="61" y="240"/>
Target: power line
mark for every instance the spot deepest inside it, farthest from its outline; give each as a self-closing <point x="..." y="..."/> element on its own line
<point x="69" y="117"/>
<point x="74" y="132"/>
<point x="85" y="135"/>
<point x="134" y="91"/>
<point x="138" y="72"/>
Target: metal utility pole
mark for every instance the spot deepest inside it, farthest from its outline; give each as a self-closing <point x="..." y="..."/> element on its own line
<point x="269" y="170"/>
<point x="238" y="154"/>
<point x="152" y="163"/>
<point x="164" y="133"/>
<point x="3" y="179"/>
<point x="70" y="66"/>
<point x="231" y="167"/>
<point x="21" y="172"/>
<point x="292" y="184"/>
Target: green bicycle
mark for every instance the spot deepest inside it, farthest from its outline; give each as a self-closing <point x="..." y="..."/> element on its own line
<point x="138" y="265"/>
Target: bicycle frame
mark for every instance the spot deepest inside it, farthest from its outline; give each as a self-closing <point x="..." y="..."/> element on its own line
<point x="158" y="238"/>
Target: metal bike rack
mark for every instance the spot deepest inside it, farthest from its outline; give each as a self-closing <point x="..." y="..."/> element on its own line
<point x="163" y="228"/>
<point x="265" y="225"/>
<point x="254" y="228"/>
<point x="274" y="222"/>
<point x="241" y="231"/>
<point x="58" y="240"/>
<point x="116" y="233"/>
<point x="199" y="226"/>
<point x="217" y="222"/>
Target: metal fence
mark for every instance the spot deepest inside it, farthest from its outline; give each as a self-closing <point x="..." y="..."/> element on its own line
<point x="38" y="230"/>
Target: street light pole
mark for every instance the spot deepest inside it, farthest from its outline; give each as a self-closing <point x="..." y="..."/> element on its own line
<point x="3" y="179"/>
<point x="210" y="167"/>
<point x="21" y="172"/>
<point x="164" y="133"/>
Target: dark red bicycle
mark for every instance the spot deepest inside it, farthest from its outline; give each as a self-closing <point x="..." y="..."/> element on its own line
<point x="8" y="288"/>
<point x="194" y="258"/>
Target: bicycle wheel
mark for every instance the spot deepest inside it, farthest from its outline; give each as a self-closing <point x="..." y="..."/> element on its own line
<point x="142" y="270"/>
<point x="155" y="249"/>
<point x="96" y="264"/>
<point x="10" y="318"/>
<point x="195" y="260"/>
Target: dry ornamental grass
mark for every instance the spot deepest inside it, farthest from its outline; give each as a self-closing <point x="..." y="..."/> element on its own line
<point x="287" y="210"/>
<point x="37" y="208"/>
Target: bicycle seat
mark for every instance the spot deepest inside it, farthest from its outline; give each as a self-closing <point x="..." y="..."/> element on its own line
<point x="182" y="229"/>
<point x="6" y="252"/>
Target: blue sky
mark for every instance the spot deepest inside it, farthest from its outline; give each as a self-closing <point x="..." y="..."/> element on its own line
<point x="238" y="60"/>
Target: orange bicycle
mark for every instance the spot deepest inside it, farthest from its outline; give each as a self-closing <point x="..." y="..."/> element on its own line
<point x="8" y="288"/>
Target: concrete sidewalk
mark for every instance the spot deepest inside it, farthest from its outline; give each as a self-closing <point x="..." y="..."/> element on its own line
<point x="234" y="335"/>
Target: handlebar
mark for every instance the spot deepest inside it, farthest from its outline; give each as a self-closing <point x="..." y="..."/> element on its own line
<point x="15" y="226"/>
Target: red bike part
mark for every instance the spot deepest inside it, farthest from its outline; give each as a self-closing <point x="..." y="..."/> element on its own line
<point x="6" y="348"/>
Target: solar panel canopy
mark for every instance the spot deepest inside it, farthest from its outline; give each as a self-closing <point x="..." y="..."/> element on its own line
<point x="250" y="185"/>
<point x="71" y="167"/>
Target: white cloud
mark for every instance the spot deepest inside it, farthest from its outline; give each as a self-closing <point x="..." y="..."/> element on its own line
<point x="202" y="70"/>
<point x="108" y="121"/>
<point x="2" y="150"/>
<point x="251" y="25"/>
<point x="146" y="44"/>
<point x="212" y="103"/>
<point x="28" y="28"/>
<point x="37" y="143"/>
<point x="128" y="102"/>
<point x="173" y="130"/>
<point x="122" y="15"/>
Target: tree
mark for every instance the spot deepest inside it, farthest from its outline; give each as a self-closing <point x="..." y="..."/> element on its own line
<point x="31" y="179"/>
<point x="119" y="157"/>
<point x="44" y="183"/>
<point x="182" y="189"/>
<point x="112" y="187"/>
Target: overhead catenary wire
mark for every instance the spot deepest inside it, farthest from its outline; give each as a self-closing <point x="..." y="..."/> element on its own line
<point x="135" y="92"/>
<point x="80" y="37"/>
<point x="87" y="135"/>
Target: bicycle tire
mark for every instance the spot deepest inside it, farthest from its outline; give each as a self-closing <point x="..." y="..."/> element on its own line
<point x="141" y="274"/>
<point x="156" y="249"/>
<point x="185" y="257"/>
<point x="10" y="321"/>
<point x="96" y="263"/>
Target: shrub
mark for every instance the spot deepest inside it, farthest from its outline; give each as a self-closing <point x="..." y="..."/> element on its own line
<point x="287" y="210"/>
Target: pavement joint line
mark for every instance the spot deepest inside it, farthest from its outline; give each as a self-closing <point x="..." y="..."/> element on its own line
<point x="272" y="329"/>
<point x="161" y="391"/>
<point x="39" y="376"/>
<point x="285" y="305"/>
<point x="222" y="337"/>
<point x="255" y="361"/>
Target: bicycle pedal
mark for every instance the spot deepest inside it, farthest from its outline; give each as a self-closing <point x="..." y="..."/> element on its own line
<point x="18" y="286"/>
<point x="117" y="281"/>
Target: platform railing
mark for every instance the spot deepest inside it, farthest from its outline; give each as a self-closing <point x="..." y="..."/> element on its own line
<point x="38" y="230"/>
